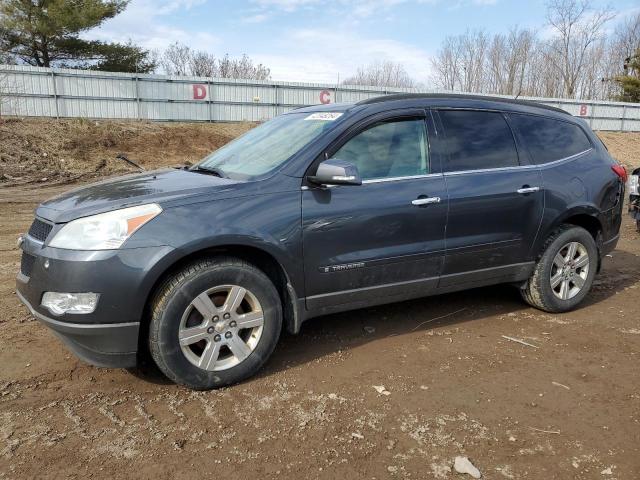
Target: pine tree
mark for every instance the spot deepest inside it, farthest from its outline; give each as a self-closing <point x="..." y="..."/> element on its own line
<point x="630" y="81"/>
<point x="46" y="33"/>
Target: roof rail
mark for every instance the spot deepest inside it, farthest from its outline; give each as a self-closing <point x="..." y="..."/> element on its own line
<point x="487" y="98"/>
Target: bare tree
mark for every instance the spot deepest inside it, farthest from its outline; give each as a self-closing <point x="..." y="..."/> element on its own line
<point x="577" y="27"/>
<point x="176" y="59"/>
<point x="626" y="37"/>
<point x="203" y="64"/>
<point x="476" y="62"/>
<point x="242" y="67"/>
<point x="511" y="57"/>
<point x="382" y="74"/>
<point x="179" y="59"/>
<point x="474" y="50"/>
<point x="577" y="61"/>
<point x="446" y="64"/>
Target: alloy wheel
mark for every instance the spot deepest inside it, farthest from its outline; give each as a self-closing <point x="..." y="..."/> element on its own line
<point x="221" y="327"/>
<point x="569" y="270"/>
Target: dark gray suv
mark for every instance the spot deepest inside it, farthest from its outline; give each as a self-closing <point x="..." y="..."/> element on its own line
<point x="321" y="210"/>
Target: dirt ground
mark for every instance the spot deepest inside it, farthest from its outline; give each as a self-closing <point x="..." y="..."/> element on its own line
<point x="568" y="408"/>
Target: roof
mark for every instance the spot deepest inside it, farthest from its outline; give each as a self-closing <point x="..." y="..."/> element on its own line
<point x="434" y="96"/>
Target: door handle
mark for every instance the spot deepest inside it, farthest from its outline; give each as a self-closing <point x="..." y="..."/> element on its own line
<point x="425" y="201"/>
<point x="525" y="190"/>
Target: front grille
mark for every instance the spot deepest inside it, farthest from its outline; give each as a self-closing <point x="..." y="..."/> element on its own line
<point x="26" y="264"/>
<point x="40" y="230"/>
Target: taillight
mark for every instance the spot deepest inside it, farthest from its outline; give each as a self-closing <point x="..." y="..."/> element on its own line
<point x="620" y="171"/>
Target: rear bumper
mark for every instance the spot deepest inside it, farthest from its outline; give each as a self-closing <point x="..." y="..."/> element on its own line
<point x="103" y="345"/>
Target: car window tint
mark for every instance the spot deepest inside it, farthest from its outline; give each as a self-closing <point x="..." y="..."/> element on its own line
<point x="477" y="140"/>
<point x="547" y="139"/>
<point x="389" y="149"/>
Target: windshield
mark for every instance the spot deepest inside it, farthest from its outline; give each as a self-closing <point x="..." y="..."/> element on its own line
<point x="266" y="147"/>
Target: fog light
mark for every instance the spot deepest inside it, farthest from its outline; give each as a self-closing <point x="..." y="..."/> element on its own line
<point x="59" y="303"/>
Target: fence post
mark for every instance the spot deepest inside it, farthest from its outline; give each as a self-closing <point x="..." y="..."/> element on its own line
<point x="55" y="93"/>
<point x="209" y="100"/>
<point x="138" y="113"/>
<point x="624" y="114"/>
<point x="275" y="101"/>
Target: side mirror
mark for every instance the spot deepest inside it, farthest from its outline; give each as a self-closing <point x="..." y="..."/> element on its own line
<point x="336" y="172"/>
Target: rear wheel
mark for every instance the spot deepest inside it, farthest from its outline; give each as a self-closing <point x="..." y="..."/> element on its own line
<point x="214" y="323"/>
<point x="564" y="274"/>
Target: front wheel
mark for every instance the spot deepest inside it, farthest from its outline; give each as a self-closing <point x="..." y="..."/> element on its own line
<point x="564" y="274"/>
<point x="214" y="323"/>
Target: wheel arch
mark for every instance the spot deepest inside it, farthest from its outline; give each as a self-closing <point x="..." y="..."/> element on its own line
<point x="263" y="259"/>
<point x="585" y="216"/>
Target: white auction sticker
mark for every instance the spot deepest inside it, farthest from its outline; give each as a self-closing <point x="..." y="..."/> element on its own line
<point x="324" y="116"/>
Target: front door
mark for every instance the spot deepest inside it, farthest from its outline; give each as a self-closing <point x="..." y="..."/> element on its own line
<point x="383" y="239"/>
<point x="495" y="202"/>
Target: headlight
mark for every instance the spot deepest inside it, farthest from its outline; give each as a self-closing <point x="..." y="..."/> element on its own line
<point x="105" y="231"/>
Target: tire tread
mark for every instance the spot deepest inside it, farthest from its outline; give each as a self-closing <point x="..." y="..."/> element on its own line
<point x="167" y="289"/>
<point x="532" y="292"/>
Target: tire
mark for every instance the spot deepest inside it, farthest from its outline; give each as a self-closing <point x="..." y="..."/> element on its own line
<point x="542" y="290"/>
<point x="192" y="336"/>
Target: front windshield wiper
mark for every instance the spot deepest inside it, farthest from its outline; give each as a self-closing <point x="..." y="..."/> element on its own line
<point x="218" y="172"/>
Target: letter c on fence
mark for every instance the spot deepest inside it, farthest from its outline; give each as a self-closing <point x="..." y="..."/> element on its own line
<point x="583" y="110"/>
<point x="199" y="91"/>
<point x="325" y="97"/>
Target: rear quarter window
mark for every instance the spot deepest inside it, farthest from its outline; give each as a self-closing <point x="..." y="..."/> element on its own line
<point x="548" y="140"/>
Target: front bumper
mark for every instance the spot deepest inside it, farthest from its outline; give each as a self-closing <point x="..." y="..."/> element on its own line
<point x="107" y="337"/>
<point x="103" y="345"/>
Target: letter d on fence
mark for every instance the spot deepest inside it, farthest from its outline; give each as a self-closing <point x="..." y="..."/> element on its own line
<point x="199" y="91"/>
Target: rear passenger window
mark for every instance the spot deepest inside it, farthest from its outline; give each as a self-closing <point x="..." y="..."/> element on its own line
<point x="477" y="140"/>
<point x="547" y="139"/>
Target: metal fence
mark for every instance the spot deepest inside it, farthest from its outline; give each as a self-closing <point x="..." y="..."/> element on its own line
<point x="63" y="93"/>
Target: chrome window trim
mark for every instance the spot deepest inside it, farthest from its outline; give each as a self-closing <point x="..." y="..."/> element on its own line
<point x="383" y="180"/>
<point x="397" y="179"/>
<point x="520" y="167"/>
<point x="566" y="159"/>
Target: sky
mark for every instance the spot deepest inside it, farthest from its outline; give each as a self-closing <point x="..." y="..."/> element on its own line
<point x="324" y="41"/>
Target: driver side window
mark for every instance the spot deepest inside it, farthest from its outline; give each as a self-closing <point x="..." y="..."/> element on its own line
<point x="388" y="149"/>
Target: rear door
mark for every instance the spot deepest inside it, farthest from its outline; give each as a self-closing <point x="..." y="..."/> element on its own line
<point x="384" y="238"/>
<point x="495" y="198"/>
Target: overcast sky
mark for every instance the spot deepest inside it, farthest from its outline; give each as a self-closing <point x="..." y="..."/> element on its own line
<point x="317" y="40"/>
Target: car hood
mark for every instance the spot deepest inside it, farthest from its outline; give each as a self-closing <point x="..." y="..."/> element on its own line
<point x="149" y="187"/>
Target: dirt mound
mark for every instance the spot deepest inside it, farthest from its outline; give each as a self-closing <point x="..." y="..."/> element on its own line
<point x="59" y="151"/>
<point x="48" y="151"/>
<point x="623" y="146"/>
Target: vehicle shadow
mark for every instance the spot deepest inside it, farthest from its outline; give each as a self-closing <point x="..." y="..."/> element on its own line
<point x="329" y="334"/>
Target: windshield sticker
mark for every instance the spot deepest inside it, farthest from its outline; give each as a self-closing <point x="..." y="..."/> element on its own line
<point x="324" y="116"/>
